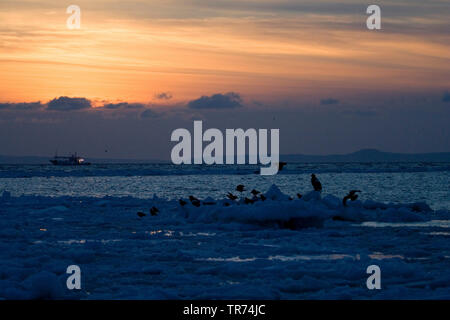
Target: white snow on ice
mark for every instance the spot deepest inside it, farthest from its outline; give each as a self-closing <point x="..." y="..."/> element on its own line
<point x="311" y="247"/>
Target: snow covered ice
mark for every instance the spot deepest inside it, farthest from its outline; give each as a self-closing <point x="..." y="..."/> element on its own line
<point x="280" y="248"/>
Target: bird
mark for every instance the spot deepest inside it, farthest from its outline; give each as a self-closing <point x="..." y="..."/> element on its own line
<point x="316" y="183"/>
<point x="255" y="192"/>
<point x="299" y="195"/>
<point x="248" y="201"/>
<point x="195" y="202"/>
<point x="281" y="165"/>
<point x="240" y="188"/>
<point x="352" y="195"/>
<point x="154" y="211"/>
<point x="182" y="202"/>
<point x="262" y="197"/>
<point x="192" y="198"/>
<point x="231" y="196"/>
<point x="141" y="214"/>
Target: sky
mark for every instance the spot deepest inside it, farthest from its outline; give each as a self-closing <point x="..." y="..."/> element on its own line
<point x="137" y="70"/>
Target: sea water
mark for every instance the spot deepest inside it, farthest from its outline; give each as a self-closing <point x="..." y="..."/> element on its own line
<point x="386" y="182"/>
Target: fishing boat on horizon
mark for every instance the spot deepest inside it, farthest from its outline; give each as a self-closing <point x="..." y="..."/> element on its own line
<point x="72" y="160"/>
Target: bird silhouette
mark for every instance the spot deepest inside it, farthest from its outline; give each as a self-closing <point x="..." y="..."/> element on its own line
<point x="141" y="214"/>
<point x="195" y="202"/>
<point x="352" y="195"/>
<point x="299" y="195"/>
<point x="192" y="198"/>
<point x="316" y="183"/>
<point x="240" y="188"/>
<point x="255" y="192"/>
<point x="154" y="211"/>
<point x="263" y="198"/>
<point x="248" y="201"/>
<point x="231" y="196"/>
<point x="182" y="202"/>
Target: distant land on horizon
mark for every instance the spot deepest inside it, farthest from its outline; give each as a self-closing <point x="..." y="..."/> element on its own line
<point x="365" y="155"/>
<point x="370" y="155"/>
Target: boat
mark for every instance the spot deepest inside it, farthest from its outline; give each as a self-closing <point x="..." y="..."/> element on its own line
<point x="72" y="160"/>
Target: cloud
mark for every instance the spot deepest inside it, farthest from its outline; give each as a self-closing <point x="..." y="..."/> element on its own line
<point x="217" y="101"/>
<point x="124" y="105"/>
<point x="329" y="101"/>
<point x="163" y="96"/>
<point x="68" y="104"/>
<point x="148" y="113"/>
<point x="21" y="106"/>
<point x="446" y="97"/>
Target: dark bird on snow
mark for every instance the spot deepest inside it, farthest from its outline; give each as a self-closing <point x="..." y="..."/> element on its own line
<point x="182" y="202"/>
<point x="248" y="201"/>
<point x="195" y="202"/>
<point x="316" y="183"/>
<point x="240" y="188"/>
<point x="262" y="197"/>
<point x="192" y="198"/>
<point x="231" y="196"/>
<point x="141" y="214"/>
<point x="339" y="218"/>
<point x="154" y="211"/>
<point x="281" y="165"/>
<point x="352" y="195"/>
<point x="255" y="192"/>
<point x="299" y="195"/>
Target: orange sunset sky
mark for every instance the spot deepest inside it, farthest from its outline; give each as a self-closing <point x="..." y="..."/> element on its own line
<point x="133" y="50"/>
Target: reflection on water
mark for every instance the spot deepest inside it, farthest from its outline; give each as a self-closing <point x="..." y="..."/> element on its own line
<point x="232" y="259"/>
<point x="84" y="241"/>
<point x="314" y="257"/>
<point x="382" y="256"/>
<point x="426" y="224"/>
<point x="318" y="257"/>
<point x="438" y="233"/>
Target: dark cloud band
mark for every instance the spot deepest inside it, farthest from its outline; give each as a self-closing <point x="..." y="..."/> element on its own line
<point x="217" y="101"/>
<point x="68" y="104"/>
